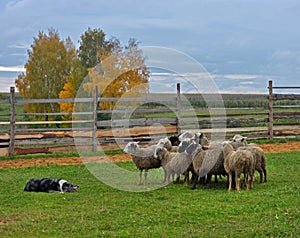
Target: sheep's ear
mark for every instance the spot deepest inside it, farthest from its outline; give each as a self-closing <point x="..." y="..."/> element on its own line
<point x="201" y="135"/>
<point x="138" y="142"/>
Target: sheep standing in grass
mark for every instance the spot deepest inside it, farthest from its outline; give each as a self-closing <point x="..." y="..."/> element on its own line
<point x="143" y="158"/>
<point x="174" y="163"/>
<point x="237" y="162"/>
<point x="165" y="156"/>
<point x="260" y="161"/>
<point x="207" y="162"/>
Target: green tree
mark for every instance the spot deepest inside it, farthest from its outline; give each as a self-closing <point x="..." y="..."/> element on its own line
<point x="92" y="44"/>
<point x="49" y="64"/>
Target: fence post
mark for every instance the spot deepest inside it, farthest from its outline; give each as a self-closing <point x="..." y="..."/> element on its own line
<point x="270" y="129"/>
<point x="12" y="122"/>
<point x="95" y="104"/>
<point x="178" y="111"/>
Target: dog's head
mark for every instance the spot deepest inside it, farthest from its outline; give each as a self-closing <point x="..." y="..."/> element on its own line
<point x="67" y="186"/>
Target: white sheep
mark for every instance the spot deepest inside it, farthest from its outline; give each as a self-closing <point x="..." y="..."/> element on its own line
<point x="236" y="163"/>
<point x="143" y="158"/>
<point x="174" y="163"/>
<point x="260" y="160"/>
<point x="165" y="142"/>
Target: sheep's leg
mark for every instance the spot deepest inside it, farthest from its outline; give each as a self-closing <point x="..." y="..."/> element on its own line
<point x="165" y="176"/>
<point x="173" y="175"/>
<point x="140" y="179"/>
<point x="260" y="175"/>
<point x="167" y="180"/>
<point x="229" y="181"/>
<point x="265" y="173"/>
<point x="208" y="180"/>
<point x="186" y="177"/>
<point x="145" y="175"/>
<point x="216" y="178"/>
<point x="237" y="182"/>
<point x="202" y="180"/>
<point x="177" y="178"/>
<point x="195" y="180"/>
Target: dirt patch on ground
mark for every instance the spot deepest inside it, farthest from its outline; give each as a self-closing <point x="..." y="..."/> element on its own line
<point x="281" y="147"/>
<point x="18" y="163"/>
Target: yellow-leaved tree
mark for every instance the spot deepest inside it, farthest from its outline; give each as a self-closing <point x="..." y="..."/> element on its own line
<point x="71" y="87"/>
<point x="121" y="71"/>
<point x="47" y="68"/>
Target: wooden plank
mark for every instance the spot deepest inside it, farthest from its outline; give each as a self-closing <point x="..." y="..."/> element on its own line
<point x="12" y="122"/>
<point x="136" y="122"/>
<point x="271" y="95"/>
<point x="286" y="96"/>
<point x="227" y="115"/>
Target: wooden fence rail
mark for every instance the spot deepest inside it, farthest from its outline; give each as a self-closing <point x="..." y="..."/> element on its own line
<point x="146" y="122"/>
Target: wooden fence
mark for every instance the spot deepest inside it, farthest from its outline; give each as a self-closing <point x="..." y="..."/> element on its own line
<point x="141" y="119"/>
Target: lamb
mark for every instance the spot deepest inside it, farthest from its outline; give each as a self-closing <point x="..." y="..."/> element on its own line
<point x="165" y="142"/>
<point x="174" y="163"/>
<point x="260" y="160"/>
<point x="143" y="158"/>
<point x="237" y="162"/>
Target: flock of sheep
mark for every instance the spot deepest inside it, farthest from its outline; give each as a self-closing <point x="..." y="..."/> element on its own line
<point x="192" y="153"/>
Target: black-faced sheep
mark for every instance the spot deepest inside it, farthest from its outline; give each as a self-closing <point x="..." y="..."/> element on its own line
<point x="143" y="158"/>
<point x="174" y="140"/>
<point x="236" y="163"/>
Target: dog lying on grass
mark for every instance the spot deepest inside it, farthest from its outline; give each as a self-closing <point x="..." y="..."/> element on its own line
<point x="50" y="185"/>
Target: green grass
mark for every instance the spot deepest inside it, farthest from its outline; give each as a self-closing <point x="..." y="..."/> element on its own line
<point x="97" y="210"/>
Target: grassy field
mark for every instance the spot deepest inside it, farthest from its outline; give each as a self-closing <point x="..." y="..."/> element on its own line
<point x="271" y="209"/>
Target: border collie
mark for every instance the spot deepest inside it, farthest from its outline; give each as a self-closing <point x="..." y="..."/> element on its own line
<point x="50" y="185"/>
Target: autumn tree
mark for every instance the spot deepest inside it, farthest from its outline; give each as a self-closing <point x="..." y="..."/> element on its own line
<point x="49" y="64"/>
<point x="121" y="71"/>
<point x="73" y="82"/>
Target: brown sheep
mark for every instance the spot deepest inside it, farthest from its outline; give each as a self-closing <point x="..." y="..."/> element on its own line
<point x="143" y="158"/>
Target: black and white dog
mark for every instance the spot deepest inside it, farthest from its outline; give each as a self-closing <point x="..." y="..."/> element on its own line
<point x="50" y="185"/>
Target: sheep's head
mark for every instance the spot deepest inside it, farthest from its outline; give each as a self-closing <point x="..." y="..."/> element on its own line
<point x="239" y="138"/>
<point x="159" y="152"/>
<point x="131" y="147"/>
<point x="165" y="142"/>
<point x="174" y="140"/>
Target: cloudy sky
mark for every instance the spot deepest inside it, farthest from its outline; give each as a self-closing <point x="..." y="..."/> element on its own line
<point x="240" y="43"/>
